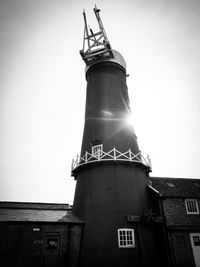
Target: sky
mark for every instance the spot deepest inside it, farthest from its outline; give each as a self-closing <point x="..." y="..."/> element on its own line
<point x="43" y="88"/>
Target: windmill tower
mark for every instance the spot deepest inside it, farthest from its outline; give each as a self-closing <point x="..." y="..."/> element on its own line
<point x="111" y="172"/>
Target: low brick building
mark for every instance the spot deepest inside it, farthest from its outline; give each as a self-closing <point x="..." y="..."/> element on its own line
<point x="38" y="234"/>
<point x="177" y="201"/>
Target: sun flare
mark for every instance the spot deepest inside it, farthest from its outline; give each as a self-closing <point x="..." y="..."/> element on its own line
<point x="129" y="119"/>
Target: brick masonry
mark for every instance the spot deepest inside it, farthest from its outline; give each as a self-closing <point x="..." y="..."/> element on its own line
<point x="175" y="213"/>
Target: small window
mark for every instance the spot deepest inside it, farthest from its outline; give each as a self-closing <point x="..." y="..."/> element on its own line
<point x="36" y="229"/>
<point x="196" y="240"/>
<point x="126" y="238"/>
<point x="192" y="206"/>
<point x="97" y="150"/>
<point x="52" y="243"/>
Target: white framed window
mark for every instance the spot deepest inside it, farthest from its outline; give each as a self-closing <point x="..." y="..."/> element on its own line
<point x="126" y="238"/>
<point x="97" y="150"/>
<point x="191" y="206"/>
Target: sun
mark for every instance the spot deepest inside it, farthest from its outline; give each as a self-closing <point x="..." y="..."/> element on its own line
<point x="129" y="119"/>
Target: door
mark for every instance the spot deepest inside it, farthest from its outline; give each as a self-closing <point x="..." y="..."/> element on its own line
<point x="182" y="250"/>
<point x="195" y="242"/>
<point x="51" y="252"/>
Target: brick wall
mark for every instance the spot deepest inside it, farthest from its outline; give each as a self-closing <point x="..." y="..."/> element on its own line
<point x="9" y="238"/>
<point x="21" y="246"/>
<point x="75" y="232"/>
<point x="175" y="213"/>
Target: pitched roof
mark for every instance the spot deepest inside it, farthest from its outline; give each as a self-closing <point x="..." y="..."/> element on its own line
<point x="36" y="212"/>
<point x="176" y="187"/>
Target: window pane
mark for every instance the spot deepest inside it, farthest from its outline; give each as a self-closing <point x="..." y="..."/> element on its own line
<point x="196" y="240"/>
<point x="97" y="150"/>
<point x="192" y="206"/>
<point x="126" y="238"/>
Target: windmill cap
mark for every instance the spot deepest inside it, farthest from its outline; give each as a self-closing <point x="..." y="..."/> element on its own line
<point x="118" y="59"/>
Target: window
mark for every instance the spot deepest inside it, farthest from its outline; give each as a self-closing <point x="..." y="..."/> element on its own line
<point x="196" y="240"/>
<point x="126" y="238"/>
<point x="192" y="206"/>
<point x="52" y="243"/>
<point x="97" y="150"/>
<point x="36" y="229"/>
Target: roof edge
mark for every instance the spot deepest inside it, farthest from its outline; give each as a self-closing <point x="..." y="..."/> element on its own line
<point x="34" y="205"/>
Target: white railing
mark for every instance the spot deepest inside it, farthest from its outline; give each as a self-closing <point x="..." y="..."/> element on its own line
<point x="112" y="155"/>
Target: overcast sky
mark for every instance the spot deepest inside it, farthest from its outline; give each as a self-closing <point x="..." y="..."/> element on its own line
<point x="42" y="88"/>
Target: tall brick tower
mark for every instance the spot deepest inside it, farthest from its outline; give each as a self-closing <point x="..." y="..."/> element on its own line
<point x="111" y="172"/>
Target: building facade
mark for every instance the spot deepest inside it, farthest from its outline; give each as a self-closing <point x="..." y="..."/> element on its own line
<point x="178" y="202"/>
<point x="38" y="235"/>
<point x="46" y="234"/>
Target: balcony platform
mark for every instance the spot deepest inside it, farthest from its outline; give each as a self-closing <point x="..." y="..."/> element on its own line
<point x="112" y="155"/>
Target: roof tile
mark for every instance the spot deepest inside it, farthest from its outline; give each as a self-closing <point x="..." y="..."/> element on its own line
<point x="177" y="187"/>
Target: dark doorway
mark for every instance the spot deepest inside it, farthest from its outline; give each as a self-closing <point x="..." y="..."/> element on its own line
<point x="182" y="250"/>
<point x="51" y="252"/>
